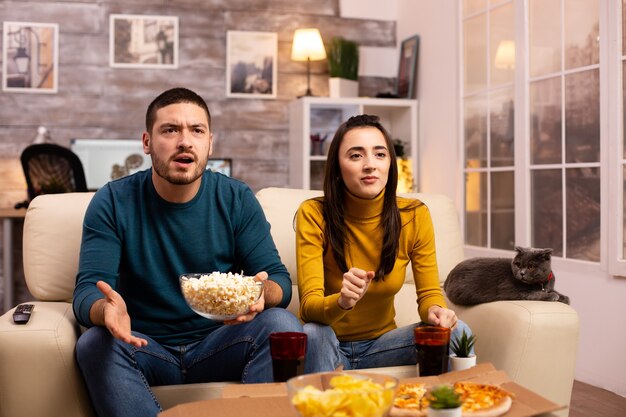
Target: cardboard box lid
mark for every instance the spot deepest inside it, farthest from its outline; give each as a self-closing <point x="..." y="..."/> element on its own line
<point x="270" y="400"/>
<point x="274" y="406"/>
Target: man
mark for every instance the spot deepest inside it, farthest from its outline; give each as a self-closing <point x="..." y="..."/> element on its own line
<point x="140" y="234"/>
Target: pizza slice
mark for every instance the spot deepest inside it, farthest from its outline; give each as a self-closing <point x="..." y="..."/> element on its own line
<point x="409" y="401"/>
<point x="483" y="400"/>
<point x="479" y="400"/>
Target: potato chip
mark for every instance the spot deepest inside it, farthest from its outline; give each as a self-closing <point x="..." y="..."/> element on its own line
<point x="349" y="396"/>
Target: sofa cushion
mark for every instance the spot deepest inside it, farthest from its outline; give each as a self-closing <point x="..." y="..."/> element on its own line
<point x="51" y="244"/>
<point x="53" y="229"/>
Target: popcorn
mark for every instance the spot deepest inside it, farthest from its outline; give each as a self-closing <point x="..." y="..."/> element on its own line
<point x="220" y="295"/>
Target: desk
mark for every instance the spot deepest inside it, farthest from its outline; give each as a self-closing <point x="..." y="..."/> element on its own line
<point x="8" y="215"/>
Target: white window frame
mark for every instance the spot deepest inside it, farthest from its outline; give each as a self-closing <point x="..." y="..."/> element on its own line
<point x="488" y="90"/>
<point x="615" y="133"/>
<point x="612" y="160"/>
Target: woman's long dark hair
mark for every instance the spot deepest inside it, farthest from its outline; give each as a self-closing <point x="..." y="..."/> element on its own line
<point x="334" y="194"/>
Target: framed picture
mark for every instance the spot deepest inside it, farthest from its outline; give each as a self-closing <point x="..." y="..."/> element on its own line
<point x="30" y="61"/>
<point x="223" y="166"/>
<point x="407" y="68"/>
<point x="251" y="60"/>
<point x="141" y="41"/>
<point x="108" y="159"/>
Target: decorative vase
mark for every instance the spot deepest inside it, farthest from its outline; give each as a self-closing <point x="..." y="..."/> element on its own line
<point x="444" y="412"/>
<point x="458" y="364"/>
<point x="342" y="87"/>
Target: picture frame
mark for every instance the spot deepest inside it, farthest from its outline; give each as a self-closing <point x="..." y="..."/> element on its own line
<point x="143" y="41"/>
<point x="407" y="68"/>
<point x="30" y="57"/>
<point x="223" y="165"/>
<point x="251" y="64"/>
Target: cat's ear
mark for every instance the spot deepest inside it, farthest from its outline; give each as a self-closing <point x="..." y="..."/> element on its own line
<point x="547" y="253"/>
<point x="519" y="249"/>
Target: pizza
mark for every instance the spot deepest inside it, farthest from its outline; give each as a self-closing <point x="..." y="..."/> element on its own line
<point x="410" y="401"/>
<point x="479" y="400"/>
<point x="483" y="400"/>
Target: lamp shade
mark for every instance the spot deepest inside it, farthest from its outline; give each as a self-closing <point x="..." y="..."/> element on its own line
<point x="307" y="45"/>
<point x="505" y="55"/>
<point x="21" y="60"/>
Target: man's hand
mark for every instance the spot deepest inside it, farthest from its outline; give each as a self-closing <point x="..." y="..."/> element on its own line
<point x="111" y="313"/>
<point x="440" y="316"/>
<point x="354" y="286"/>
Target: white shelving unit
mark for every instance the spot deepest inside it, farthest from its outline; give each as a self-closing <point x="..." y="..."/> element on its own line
<point x="323" y="115"/>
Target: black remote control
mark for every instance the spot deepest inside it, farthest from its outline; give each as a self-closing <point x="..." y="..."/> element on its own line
<point x="21" y="315"/>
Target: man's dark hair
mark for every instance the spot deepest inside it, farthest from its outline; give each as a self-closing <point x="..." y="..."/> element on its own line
<point x="173" y="96"/>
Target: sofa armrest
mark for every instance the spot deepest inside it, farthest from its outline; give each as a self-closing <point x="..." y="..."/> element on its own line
<point x="32" y="354"/>
<point x="535" y="342"/>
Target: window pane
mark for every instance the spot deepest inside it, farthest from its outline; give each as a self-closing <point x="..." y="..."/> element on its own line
<point x="502" y="44"/>
<point x="545" y="121"/>
<point x="502" y="210"/>
<point x="476" y="208"/>
<point x="476" y="131"/>
<point x="471" y="6"/>
<point x="547" y="210"/>
<point x="582" y="116"/>
<point x="583" y="213"/>
<point x="545" y="37"/>
<point x="502" y="127"/>
<point x="475" y="53"/>
<point x="581" y="33"/>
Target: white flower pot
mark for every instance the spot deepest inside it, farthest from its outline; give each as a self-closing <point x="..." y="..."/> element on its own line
<point x="341" y="87"/>
<point x="458" y="364"/>
<point x="444" y="412"/>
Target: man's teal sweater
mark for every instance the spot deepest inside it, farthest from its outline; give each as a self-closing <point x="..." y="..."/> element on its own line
<point x="140" y="244"/>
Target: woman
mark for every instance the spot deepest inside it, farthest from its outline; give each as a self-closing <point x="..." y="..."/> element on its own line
<point x="353" y="247"/>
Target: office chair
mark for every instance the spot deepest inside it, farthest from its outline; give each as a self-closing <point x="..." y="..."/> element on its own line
<point x="51" y="169"/>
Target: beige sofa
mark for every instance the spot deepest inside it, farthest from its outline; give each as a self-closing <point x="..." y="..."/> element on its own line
<point x="534" y="342"/>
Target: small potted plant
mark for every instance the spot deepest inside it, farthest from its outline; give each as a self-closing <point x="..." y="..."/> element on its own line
<point x="343" y="68"/>
<point x="462" y="356"/>
<point x="444" y="401"/>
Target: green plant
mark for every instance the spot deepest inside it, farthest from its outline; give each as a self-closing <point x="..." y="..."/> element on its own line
<point x="343" y="59"/>
<point x="443" y="396"/>
<point x="398" y="147"/>
<point x="462" y="347"/>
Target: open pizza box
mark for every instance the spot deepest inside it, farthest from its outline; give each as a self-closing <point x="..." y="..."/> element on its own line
<point x="270" y="400"/>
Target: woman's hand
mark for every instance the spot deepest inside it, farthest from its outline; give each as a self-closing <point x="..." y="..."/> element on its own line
<point x="354" y="286"/>
<point x="441" y="316"/>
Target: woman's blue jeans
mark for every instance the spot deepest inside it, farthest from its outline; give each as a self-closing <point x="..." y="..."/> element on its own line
<point x="118" y="376"/>
<point x="394" y="348"/>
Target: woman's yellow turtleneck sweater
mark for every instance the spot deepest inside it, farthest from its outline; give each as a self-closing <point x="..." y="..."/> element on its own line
<point x="319" y="277"/>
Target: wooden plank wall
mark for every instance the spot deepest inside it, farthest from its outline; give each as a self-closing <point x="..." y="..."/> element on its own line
<point x="97" y="101"/>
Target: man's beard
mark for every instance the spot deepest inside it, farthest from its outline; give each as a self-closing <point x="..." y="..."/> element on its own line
<point x="162" y="169"/>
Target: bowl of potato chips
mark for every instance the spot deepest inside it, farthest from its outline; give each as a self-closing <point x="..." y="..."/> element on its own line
<point x="349" y="394"/>
<point x="218" y="295"/>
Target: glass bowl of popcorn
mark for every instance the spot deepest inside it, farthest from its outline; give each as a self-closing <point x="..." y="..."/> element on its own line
<point x="345" y="393"/>
<point x="220" y="295"/>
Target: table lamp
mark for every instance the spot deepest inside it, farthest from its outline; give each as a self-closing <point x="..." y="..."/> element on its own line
<point x="307" y="46"/>
<point x="505" y="55"/>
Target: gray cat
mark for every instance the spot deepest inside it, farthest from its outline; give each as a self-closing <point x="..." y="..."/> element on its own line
<point x="528" y="276"/>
